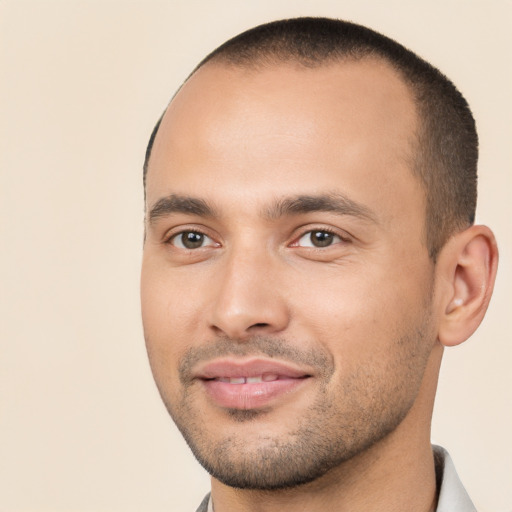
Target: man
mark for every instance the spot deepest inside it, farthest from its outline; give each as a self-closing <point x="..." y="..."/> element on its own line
<point x="309" y="251"/>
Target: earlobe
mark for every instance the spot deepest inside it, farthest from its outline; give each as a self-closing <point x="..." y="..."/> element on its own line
<point x="468" y="262"/>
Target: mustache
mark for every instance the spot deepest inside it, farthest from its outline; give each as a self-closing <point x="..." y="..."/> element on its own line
<point x="258" y="346"/>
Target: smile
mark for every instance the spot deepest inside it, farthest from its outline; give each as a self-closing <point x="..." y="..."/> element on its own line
<point x="250" y="384"/>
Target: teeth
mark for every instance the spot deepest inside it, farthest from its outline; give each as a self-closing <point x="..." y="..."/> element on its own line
<point x="232" y="380"/>
<point x="268" y="377"/>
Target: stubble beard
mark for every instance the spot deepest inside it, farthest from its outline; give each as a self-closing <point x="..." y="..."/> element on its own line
<point x="363" y="410"/>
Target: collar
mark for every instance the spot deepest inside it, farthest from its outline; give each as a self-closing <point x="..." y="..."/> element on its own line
<point x="452" y="495"/>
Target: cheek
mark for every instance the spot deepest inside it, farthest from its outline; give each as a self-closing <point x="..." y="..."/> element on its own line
<point x="358" y="314"/>
<point x="378" y="336"/>
<point x="169" y="318"/>
<point x="168" y="299"/>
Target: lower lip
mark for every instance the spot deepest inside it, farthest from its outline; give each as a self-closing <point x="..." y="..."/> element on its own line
<point x="251" y="395"/>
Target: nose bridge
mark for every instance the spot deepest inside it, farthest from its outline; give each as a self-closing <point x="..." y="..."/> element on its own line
<point x="247" y="299"/>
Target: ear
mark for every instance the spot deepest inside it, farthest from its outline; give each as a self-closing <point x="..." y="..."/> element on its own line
<point x="467" y="269"/>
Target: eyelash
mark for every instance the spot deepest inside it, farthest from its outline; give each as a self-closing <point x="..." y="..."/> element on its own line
<point x="174" y="236"/>
<point x="334" y="233"/>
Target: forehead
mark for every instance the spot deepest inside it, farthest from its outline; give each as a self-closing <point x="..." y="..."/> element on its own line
<point x="287" y="128"/>
<point x="348" y="94"/>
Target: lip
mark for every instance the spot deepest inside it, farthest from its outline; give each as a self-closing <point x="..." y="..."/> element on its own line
<point x="226" y="382"/>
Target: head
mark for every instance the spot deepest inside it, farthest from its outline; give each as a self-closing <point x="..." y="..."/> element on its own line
<point x="309" y="250"/>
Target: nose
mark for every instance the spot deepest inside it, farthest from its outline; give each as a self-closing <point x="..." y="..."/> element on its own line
<point x="247" y="300"/>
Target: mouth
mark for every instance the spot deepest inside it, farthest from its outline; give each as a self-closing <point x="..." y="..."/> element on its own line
<point x="253" y="384"/>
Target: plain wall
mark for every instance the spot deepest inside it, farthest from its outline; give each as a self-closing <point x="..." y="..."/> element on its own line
<point x="81" y="85"/>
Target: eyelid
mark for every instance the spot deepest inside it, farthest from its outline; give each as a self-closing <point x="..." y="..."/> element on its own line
<point x="174" y="232"/>
<point x="343" y="235"/>
<point x="175" y="241"/>
<point x="300" y="232"/>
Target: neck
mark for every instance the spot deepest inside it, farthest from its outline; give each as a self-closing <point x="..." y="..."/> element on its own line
<point x="397" y="473"/>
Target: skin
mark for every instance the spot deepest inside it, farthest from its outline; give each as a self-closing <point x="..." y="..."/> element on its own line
<point x="364" y="316"/>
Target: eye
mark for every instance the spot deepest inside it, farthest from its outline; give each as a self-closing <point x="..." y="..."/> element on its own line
<point x="191" y="240"/>
<point x="318" y="238"/>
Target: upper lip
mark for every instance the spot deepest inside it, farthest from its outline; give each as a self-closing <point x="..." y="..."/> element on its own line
<point x="231" y="368"/>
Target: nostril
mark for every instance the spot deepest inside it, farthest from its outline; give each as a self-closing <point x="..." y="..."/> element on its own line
<point x="260" y="325"/>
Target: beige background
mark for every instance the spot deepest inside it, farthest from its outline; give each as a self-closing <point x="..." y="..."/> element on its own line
<point x="81" y="85"/>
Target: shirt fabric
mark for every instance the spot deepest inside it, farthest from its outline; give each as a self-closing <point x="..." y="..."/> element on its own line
<point x="452" y="495"/>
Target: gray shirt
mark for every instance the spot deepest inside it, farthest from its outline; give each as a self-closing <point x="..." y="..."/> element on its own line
<point x="452" y="495"/>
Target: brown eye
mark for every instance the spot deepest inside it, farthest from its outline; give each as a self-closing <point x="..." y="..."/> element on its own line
<point x="190" y="240"/>
<point x="318" y="238"/>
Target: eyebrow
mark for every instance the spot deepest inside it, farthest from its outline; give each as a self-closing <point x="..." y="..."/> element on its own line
<point x="180" y="204"/>
<point x="295" y="205"/>
<point x="335" y="203"/>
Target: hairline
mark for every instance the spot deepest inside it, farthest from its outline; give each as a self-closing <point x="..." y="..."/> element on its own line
<point x="421" y="157"/>
<point x="268" y="61"/>
<point x="260" y="63"/>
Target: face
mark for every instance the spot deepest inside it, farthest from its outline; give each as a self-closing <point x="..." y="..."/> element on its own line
<point x="286" y="285"/>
